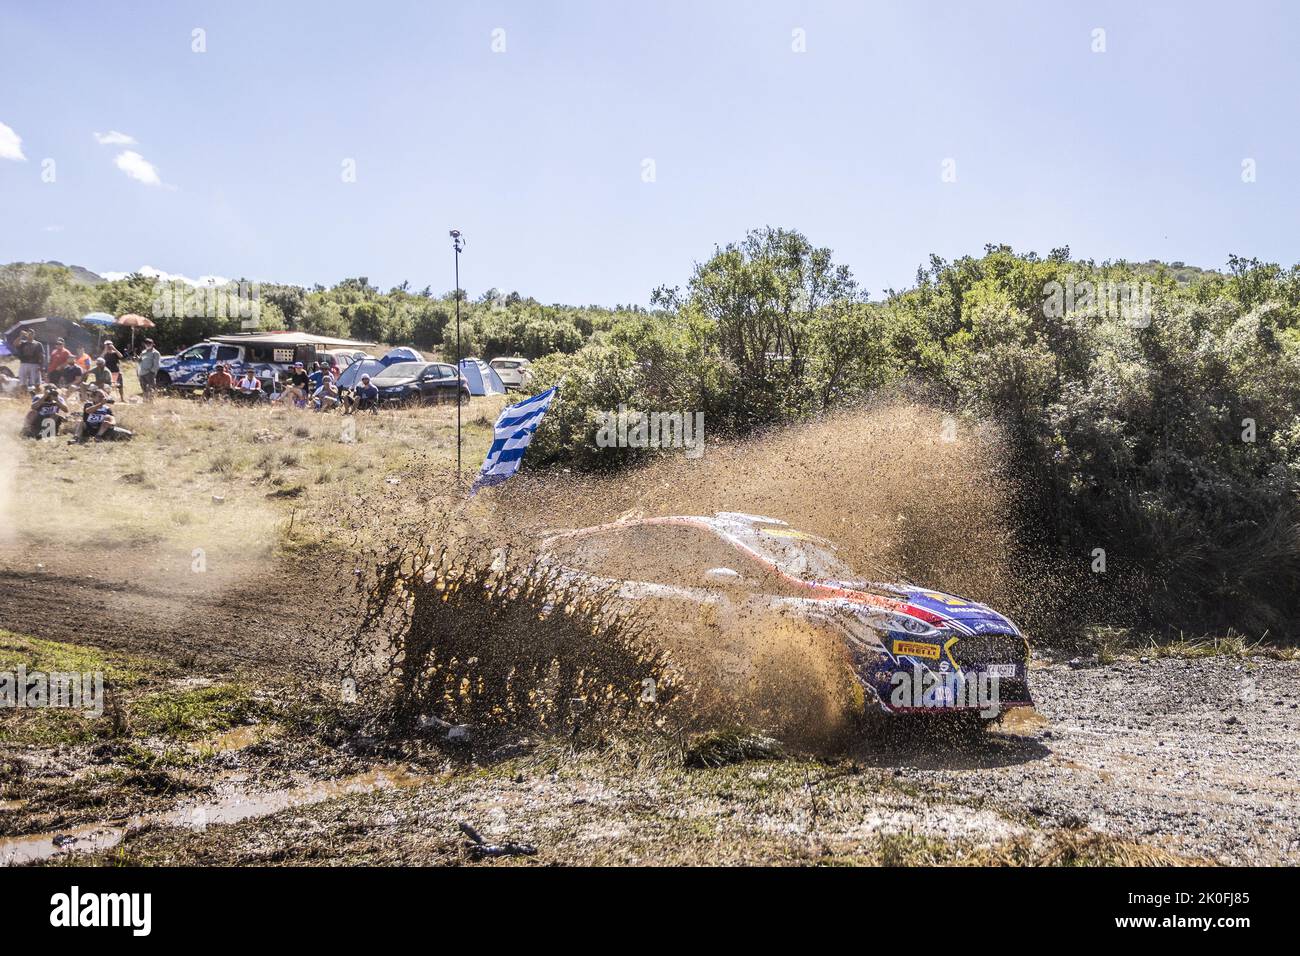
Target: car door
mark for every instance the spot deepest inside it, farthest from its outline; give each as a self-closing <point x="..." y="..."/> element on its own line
<point x="431" y="388"/>
<point x="192" y="365"/>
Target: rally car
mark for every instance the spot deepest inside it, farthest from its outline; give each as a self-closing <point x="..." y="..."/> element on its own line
<point x="912" y="649"/>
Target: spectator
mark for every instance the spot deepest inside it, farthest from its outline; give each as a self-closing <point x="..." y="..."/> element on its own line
<point x="113" y="361"/>
<point x="31" y="359"/>
<point x="366" y="396"/>
<point x="99" y="375"/>
<point x="98" y="423"/>
<point x="147" y="370"/>
<point x="300" y="384"/>
<point x="69" y="376"/>
<point x="250" y="389"/>
<point x="47" y="405"/>
<point x="316" y="377"/>
<point x="83" y="359"/>
<point x="220" y="383"/>
<point x="327" y="395"/>
<point x="59" y="357"/>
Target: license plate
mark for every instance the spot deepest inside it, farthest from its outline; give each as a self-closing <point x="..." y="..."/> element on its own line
<point x="1002" y="670"/>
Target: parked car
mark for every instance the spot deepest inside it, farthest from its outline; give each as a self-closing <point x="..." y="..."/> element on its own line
<point x="515" y="373"/>
<point x="420" y="383"/>
<point x="913" y="650"/>
<point x="269" y="355"/>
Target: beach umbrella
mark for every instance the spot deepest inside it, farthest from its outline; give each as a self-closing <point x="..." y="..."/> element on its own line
<point x="98" y="318"/>
<point x="133" y="321"/>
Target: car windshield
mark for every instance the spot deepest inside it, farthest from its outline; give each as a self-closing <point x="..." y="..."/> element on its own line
<point x="398" y="372"/>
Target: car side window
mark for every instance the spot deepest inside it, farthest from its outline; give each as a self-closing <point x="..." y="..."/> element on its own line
<point x="227" y="353"/>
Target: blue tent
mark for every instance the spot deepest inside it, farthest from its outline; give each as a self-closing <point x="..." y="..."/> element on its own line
<point x="482" y="378"/>
<point x="350" y="377"/>
<point x="401" y="354"/>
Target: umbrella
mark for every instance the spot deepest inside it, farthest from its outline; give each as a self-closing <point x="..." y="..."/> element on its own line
<point x="98" y="318"/>
<point x="134" y="322"/>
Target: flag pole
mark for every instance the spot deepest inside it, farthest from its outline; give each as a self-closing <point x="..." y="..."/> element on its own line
<point x="457" y="243"/>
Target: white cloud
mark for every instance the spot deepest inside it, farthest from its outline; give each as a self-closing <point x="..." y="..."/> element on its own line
<point x="11" y="144"/>
<point x="137" y="167"/>
<point x="52" y="229"/>
<point x="152" y="273"/>
<point x="114" y="138"/>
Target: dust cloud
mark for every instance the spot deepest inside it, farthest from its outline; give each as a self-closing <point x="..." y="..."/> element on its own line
<point x="902" y="489"/>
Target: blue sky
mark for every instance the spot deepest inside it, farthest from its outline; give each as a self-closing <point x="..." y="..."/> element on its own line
<point x="538" y="153"/>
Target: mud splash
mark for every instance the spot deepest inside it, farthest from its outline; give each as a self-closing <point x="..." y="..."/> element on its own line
<point x="233" y="807"/>
<point x="905" y="491"/>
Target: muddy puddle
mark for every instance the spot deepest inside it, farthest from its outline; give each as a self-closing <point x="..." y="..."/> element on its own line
<point x="232" y="807"/>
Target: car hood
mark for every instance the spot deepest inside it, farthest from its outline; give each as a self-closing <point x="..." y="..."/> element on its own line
<point x="960" y="614"/>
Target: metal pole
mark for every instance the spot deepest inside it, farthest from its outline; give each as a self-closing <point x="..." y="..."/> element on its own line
<point x="455" y="235"/>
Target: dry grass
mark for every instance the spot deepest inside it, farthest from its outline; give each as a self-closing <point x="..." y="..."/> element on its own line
<point x="213" y="475"/>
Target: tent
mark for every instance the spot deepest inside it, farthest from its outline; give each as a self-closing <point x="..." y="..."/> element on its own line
<point x="482" y="378"/>
<point x="401" y="354"/>
<point x="47" y="329"/>
<point x="350" y="377"/>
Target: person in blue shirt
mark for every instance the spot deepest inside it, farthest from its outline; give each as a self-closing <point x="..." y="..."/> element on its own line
<point x="365" y="396"/>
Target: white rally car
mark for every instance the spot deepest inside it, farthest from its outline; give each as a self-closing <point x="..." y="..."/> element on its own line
<point x="914" y="650"/>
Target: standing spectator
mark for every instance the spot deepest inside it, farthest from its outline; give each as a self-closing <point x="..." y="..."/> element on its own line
<point x="31" y="359"/>
<point x="220" y="383"/>
<point x="113" y="360"/>
<point x="59" y="357"/>
<point x="147" y="370"/>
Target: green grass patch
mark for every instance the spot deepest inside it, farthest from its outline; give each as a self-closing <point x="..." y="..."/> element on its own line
<point x="187" y="714"/>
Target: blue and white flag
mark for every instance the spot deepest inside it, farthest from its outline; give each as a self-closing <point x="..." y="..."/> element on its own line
<point x="513" y="431"/>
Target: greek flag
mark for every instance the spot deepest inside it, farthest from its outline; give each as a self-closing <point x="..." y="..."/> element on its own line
<point x="513" y="431"/>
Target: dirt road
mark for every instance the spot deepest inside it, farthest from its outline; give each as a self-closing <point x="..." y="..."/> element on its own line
<point x="1197" y="757"/>
<point x="161" y="603"/>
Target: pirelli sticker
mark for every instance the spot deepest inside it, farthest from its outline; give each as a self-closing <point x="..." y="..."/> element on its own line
<point x="916" y="649"/>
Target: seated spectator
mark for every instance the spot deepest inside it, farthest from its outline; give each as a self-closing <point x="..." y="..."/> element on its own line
<point x="68" y="376"/>
<point x="299" y="384"/>
<point x="47" y="406"/>
<point x="220" y="384"/>
<point x="316" y="376"/>
<point x="326" y="396"/>
<point x="99" y="376"/>
<point x="365" y="396"/>
<point x="59" y="357"/>
<point x="249" y="388"/>
<point x="83" y="359"/>
<point x="98" y="423"/>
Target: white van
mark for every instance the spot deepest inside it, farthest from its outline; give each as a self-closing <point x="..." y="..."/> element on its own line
<point x="515" y="373"/>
